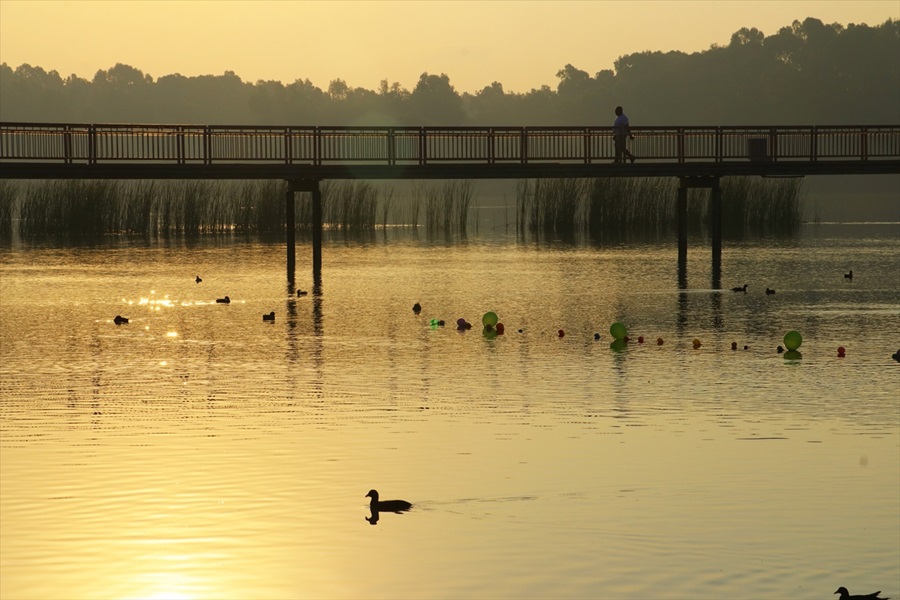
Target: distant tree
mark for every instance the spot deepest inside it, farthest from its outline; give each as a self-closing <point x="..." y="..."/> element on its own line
<point x="435" y="102"/>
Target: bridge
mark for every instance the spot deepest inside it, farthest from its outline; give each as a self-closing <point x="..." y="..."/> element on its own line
<point x="306" y="155"/>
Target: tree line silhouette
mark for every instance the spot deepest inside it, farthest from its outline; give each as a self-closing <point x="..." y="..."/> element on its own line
<point x="806" y="73"/>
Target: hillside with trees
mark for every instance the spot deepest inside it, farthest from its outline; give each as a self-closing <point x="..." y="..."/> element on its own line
<point x="806" y="73"/>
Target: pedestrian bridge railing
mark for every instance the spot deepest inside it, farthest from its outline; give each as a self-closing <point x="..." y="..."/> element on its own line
<point x="315" y="145"/>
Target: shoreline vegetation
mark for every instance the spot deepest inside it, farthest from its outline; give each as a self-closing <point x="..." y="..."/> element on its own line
<point x="561" y="208"/>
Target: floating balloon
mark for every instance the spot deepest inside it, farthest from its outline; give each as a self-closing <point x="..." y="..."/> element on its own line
<point x="734" y="345"/>
<point x="561" y="333"/>
<point x="500" y="329"/>
<point x="659" y="341"/>
<point x="596" y="336"/>
<point x="841" y="351"/>
<point x="792" y="355"/>
<point x="489" y="333"/>
<point x="697" y="343"/>
<point x="618" y="330"/>
<point x="640" y="339"/>
<point x="618" y="345"/>
<point x="792" y="340"/>
<point x="489" y="319"/>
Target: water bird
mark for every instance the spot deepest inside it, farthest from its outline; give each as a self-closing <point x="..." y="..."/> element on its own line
<point x="120" y="320"/>
<point x="198" y="280"/>
<point x="742" y="288"/>
<point x="394" y="506"/>
<point x="769" y="292"/>
<point x="302" y="292"/>
<point x="225" y="300"/>
<point x="845" y="595"/>
<point x="850" y="277"/>
<point x="417" y="308"/>
<point x="269" y="317"/>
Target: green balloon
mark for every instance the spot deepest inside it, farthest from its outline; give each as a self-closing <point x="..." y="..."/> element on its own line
<point x="792" y="340"/>
<point x="618" y="331"/>
<point x="489" y="319"/>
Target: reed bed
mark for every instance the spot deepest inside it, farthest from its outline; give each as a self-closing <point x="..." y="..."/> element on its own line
<point x="96" y="207"/>
<point x="561" y="207"/>
<point x="611" y="207"/>
<point x="446" y="205"/>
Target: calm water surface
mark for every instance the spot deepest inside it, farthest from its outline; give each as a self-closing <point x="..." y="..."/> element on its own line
<point x="198" y="452"/>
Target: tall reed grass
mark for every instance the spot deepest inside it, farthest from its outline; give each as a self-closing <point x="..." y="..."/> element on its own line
<point x="96" y="207"/>
<point x="562" y="207"/>
<point x="607" y="207"/>
<point x="446" y="205"/>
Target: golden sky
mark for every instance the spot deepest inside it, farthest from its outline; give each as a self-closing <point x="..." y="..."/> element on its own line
<point x="521" y="44"/>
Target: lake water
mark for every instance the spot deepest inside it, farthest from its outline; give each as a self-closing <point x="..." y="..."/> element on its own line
<point x="199" y="452"/>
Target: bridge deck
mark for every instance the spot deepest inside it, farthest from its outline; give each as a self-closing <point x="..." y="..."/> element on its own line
<point x="130" y="151"/>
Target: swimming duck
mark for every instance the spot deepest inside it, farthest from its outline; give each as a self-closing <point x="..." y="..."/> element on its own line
<point x="769" y="292"/>
<point x="120" y="320"/>
<point x="845" y="595"/>
<point x="269" y="317"/>
<point x="198" y="280"/>
<point x="850" y="277"/>
<point x="394" y="506"/>
<point x="225" y="300"/>
<point x="742" y="288"/>
<point x="417" y="308"/>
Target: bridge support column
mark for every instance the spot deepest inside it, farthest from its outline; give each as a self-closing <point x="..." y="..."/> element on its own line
<point x="304" y="185"/>
<point x="290" y="228"/>
<point x="715" y="227"/>
<point x="681" y="220"/>
<point x="317" y="233"/>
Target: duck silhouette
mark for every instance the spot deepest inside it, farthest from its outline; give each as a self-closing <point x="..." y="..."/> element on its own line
<point x="769" y="292"/>
<point x="198" y="280"/>
<point x="120" y="320"/>
<point x="394" y="506"/>
<point x="269" y="317"/>
<point x="742" y="288"/>
<point x="225" y="300"/>
<point x="850" y="277"/>
<point x="845" y="595"/>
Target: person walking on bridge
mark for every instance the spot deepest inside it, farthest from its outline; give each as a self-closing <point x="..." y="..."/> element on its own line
<point x="621" y="131"/>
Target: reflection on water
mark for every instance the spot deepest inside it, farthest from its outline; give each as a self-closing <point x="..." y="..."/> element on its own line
<point x="200" y="452"/>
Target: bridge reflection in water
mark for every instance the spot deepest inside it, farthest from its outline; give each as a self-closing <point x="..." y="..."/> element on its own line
<point x="307" y="155"/>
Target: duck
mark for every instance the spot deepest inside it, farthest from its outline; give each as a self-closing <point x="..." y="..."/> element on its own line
<point x="742" y="288"/>
<point x="198" y="280"/>
<point x="769" y="292"/>
<point x="120" y="320"/>
<point x="269" y="317"/>
<point x="850" y="277"/>
<point x="225" y="300"/>
<point x="394" y="506"/>
<point x="417" y="308"/>
<point x="845" y="595"/>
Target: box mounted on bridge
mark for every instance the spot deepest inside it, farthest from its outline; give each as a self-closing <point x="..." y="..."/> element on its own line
<point x="758" y="149"/>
